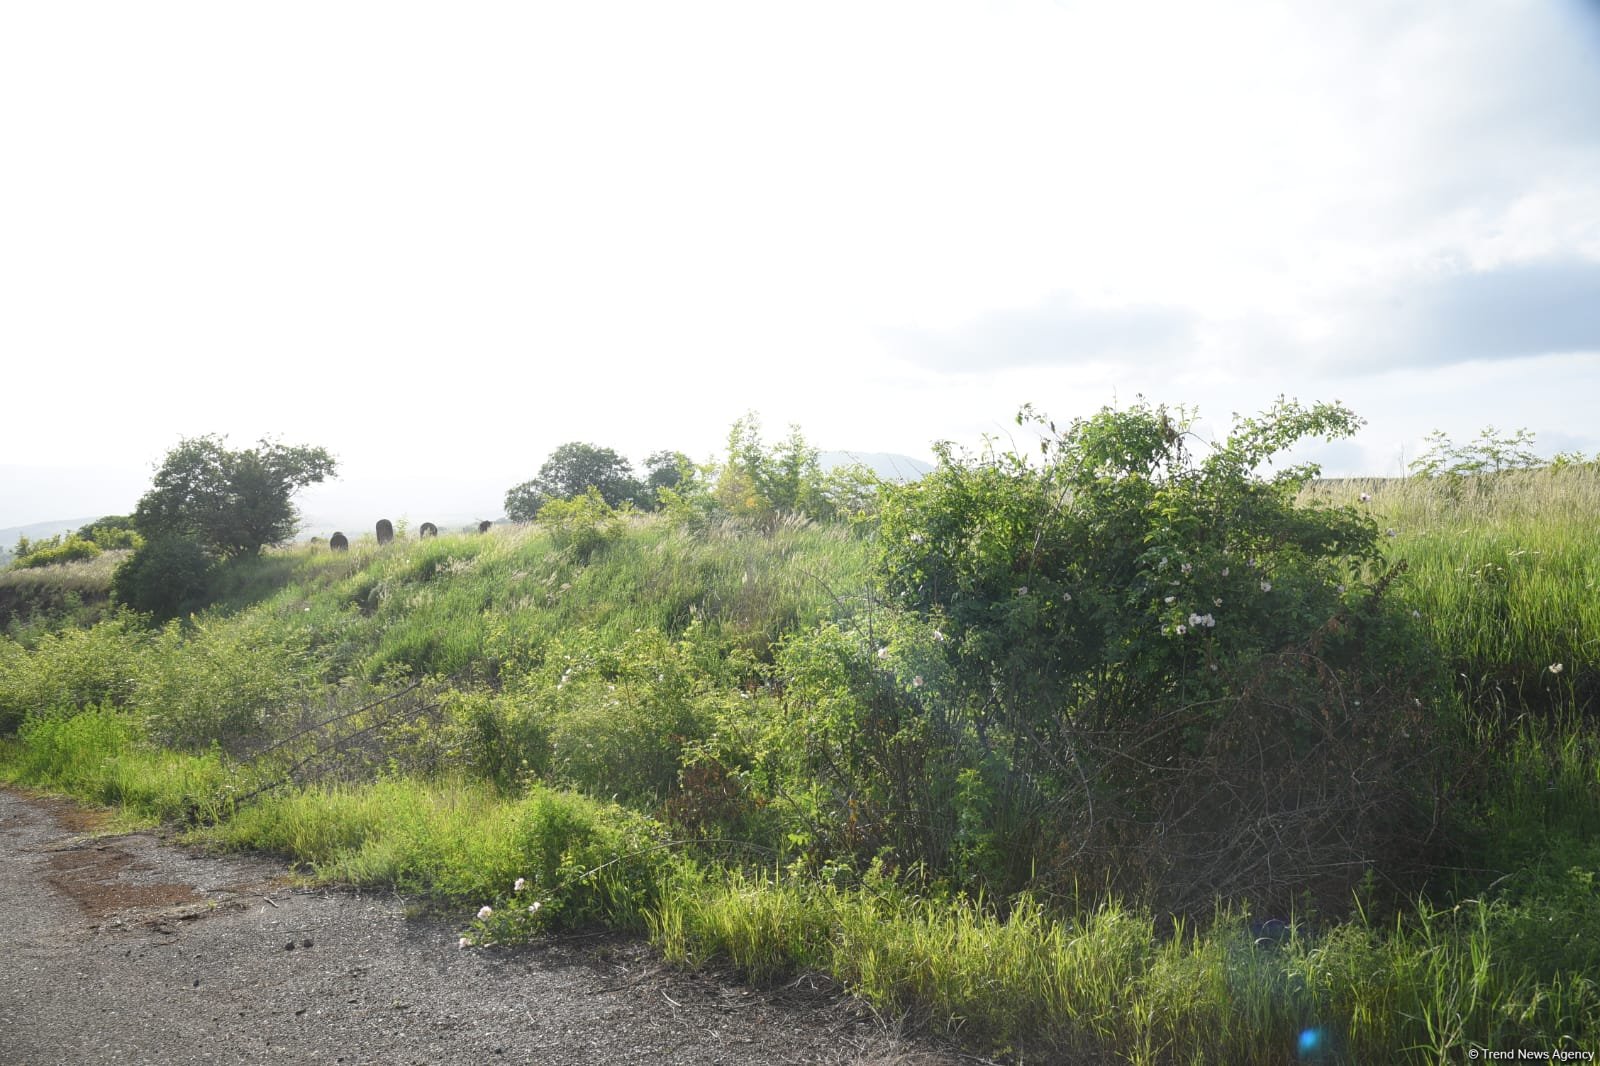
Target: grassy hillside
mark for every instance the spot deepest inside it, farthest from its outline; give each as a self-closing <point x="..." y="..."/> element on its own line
<point x="651" y="732"/>
<point x="43" y="597"/>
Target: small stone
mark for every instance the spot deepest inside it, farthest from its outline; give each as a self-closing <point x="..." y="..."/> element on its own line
<point x="289" y="946"/>
<point x="306" y="942"/>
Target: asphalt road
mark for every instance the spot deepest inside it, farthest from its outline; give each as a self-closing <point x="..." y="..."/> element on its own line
<point x="130" y="949"/>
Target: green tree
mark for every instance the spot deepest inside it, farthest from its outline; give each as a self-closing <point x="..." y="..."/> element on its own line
<point x="167" y="576"/>
<point x="783" y="479"/>
<point x="230" y="502"/>
<point x="112" y="531"/>
<point x="1492" y="453"/>
<point x="572" y="469"/>
<point x="664" y="469"/>
<point x="523" y="501"/>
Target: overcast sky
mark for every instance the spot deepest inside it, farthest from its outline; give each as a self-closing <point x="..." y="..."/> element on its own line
<point x="441" y="240"/>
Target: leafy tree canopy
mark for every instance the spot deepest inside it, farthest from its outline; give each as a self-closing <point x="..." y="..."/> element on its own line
<point x="231" y="502"/>
<point x="166" y="577"/>
<point x="572" y="469"/>
<point x="112" y="531"/>
<point x="760" y="480"/>
<point x="1492" y="453"/>
<point x="665" y="469"/>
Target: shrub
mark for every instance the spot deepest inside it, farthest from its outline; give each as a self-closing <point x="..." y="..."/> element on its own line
<point x="52" y="551"/>
<point x="112" y="532"/>
<point x="582" y="525"/>
<point x="1119" y="622"/>
<point x="875" y="716"/>
<point x="167" y="577"/>
<point x="236" y="683"/>
<point x="759" y="481"/>
<point x="1492" y="452"/>
<point x="70" y="670"/>
<point x="619" y="716"/>
<point x="498" y="737"/>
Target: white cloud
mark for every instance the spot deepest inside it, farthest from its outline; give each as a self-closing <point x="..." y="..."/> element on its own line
<point x="438" y="239"/>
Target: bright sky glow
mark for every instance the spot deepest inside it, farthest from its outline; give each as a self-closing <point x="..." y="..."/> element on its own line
<point x="442" y="240"/>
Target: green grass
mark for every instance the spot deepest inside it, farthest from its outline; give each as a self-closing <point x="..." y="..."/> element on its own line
<point x="463" y="842"/>
<point x="100" y="755"/>
<point x="1506" y="574"/>
<point x="34" y="601"/>
<point x="1106" y="984"/>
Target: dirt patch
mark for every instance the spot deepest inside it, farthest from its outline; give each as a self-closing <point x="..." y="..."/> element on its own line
<point x="93" y="878"/>
<point x="70" y="816"/>
<point x="127" y="877"/>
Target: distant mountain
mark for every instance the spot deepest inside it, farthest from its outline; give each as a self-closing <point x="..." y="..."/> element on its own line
<point x="886" y="465"/>
<point x="38" y="530"/>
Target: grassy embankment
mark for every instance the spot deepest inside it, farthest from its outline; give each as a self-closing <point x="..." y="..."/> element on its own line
<point x="78" y="592"/>
<point x="584" y="719"/>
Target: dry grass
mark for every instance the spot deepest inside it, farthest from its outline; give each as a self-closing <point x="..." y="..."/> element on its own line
<point x="85" y="577"/>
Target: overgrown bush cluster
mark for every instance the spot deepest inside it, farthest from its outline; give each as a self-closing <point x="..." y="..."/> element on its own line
<point x="753" y="481"/>
<point x="1127" y="664"/>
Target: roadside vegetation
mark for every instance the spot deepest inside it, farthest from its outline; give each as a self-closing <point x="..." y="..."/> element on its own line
<point x="1119" y="749"/>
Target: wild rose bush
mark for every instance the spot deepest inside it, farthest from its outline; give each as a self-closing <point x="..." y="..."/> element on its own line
<point x="1109" y="611"/>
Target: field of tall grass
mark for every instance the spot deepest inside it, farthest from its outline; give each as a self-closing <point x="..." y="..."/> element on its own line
<point x="454" y="716"/>
<point x="1506" y="574"/>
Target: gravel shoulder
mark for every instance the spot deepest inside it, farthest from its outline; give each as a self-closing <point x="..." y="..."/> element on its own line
<point x="129" y="949"/>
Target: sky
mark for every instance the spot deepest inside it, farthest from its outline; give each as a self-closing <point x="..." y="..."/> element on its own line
<point x="441" y="240"/>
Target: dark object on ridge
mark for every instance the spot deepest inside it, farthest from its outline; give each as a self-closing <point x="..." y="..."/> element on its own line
<point x="1271" y="931"/>
<point x="385" y="531"/>
<point x="483" y="527"/>
<point x="428" y="530"/>
<point x="338" y="543"/>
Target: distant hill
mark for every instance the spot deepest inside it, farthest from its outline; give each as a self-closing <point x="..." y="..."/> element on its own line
<point x="8" y="537"/>
<point x="886" y="465"/>
<point x="38" y="530"/>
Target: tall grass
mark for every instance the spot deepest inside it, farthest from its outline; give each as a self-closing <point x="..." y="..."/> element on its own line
<point x="463" y="842"/>
<point x="1505" y="571"/>
<point x="1105" y="985"/>
<point x="100" y="755"/>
